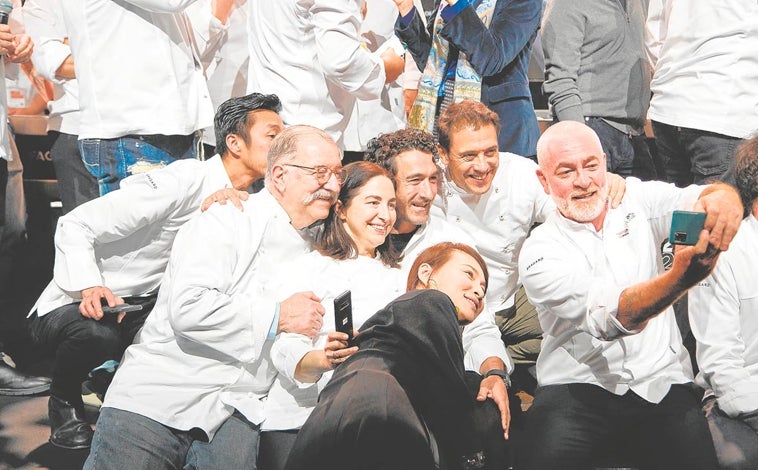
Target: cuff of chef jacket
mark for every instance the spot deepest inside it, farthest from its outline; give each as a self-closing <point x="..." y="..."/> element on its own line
<point x="274" y="324"/>
<point x="601" y="316"/>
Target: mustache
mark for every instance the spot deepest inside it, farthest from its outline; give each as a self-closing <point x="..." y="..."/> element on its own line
<point x="321" y="194"/>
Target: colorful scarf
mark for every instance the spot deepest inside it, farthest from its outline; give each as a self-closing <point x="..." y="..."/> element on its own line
<point x="468" y="83"/>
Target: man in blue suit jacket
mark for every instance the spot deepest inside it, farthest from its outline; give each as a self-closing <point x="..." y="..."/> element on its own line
<point x="498" y="53"/>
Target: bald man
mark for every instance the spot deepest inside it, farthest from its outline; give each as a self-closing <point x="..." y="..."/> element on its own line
<point x="613" y="373"/>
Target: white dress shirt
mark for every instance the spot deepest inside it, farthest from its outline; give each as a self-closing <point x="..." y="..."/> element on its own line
<point x="500" y="220"/>
<point x="44" y="22"/>
<point x="308" y="53"/>
<point x="137" y="67"/>
<point x="706" y="65"/>
<point x="372" y="285"/>
<point x="723" y="313"/>
<point x="123" y="240"/>
<point x="223" y="52"/>
<point x="574" y="276"/>
<point x="203" y="351"/>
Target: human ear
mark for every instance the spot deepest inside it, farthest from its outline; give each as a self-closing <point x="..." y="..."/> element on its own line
<point x="424" y="273"/>
<point x="443" y="154"/>
<point x="338" y="210"/>
<point x="277" y="177"/>
<point x="543" y="180"/>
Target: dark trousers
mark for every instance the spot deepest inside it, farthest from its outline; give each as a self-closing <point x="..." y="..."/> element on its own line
<point x="276" y="445"/>
<point x="80" y="344"/>
<point x="571" y="426"/>
<point x="692" y="156"/>
<point x="626" y="155"/>
<point x="735" y="439"/>
<point x="75" y="184"/>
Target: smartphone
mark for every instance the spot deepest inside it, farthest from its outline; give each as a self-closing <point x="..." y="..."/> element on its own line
<point x="343" y="314"/>
<point x="121" y="308"/>
<point x="686" y="227"/>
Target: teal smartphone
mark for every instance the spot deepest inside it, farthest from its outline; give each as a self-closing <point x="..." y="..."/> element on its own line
<point x="686" y="227"/>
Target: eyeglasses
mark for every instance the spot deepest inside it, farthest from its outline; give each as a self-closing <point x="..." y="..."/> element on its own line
<point x="321" y="172"/>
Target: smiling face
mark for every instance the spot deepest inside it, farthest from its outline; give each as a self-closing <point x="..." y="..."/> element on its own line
<point x="416" y="177"/>
<point x="572" y="170"/>
<point x="462" y="279"/>
<point x="369" y="215"/>
<point x="473" y="158"/>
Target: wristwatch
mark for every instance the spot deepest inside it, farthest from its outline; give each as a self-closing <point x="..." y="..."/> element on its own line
<point x="500" y="373"/>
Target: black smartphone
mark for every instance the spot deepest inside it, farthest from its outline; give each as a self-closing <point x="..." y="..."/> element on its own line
<point x="686" y="227"/>
<point x="343" y="314"/>
<point x="121" y="308"/>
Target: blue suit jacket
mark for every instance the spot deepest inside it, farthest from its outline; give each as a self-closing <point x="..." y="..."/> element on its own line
<point x="499" y="54"/>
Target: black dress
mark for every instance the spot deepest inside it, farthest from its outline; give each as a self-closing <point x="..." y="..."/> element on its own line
<point x="405" y="384"/>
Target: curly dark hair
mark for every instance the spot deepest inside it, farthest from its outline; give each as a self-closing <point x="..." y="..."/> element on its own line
<point x="746" y="172"/>
<point x="383" y="149"/>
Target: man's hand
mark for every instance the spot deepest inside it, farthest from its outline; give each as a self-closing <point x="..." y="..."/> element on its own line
<point x="404" y="6"/>
<point x="616" y="189"/>
<point x="494" y="388"/>
<point x="694" y="263"/>
<point x="7" y="46"/>
<point x="222" y="195"/>
<point x="393" y="65"/>
<point x="301" y="313"/>
<point x="723" y="209"/>
<point x="22" y="49"/>
<point x="92" y="306"/>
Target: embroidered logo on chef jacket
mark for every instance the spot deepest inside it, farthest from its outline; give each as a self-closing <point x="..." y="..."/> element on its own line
<point x="629" y="217"/>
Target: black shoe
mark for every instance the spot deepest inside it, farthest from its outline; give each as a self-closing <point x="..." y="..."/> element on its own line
<point x="14" y="383"/>
<point x="68" y="429"/>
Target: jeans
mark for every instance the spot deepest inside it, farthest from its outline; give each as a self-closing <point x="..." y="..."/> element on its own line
<point x="572" y="426"/>
<point x="626" y="155"/>
<point x="692" y="156"/>
<point x="129" y="440"/>
<point x="111" y="160"/>
<point x="81" y="344"/>
<point x="735" y="439"/>
<point x="75" y="184"/>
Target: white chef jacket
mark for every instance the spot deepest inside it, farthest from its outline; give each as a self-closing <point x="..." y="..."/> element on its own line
<point x="723" y="314"/>
<point x="123" y="240"/>
<point x="308" y="53"/>
<point x="137" y="67"/>
<point x="386" y="114"/>
<point x="223" y="52"/>
<point x="372" y="285"/>
<point x="705" y="65"/>
<point x="574" y="276"/>
<point x="500" y="221"/>
<point x="44" y="22"/>
<point x="203" y="351"/>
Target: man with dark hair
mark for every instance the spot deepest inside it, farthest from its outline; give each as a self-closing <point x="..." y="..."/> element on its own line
<point x="114" y="250"/>
<point x="722" y="314"/>
<point x="191" y="391"/>
<point x="410" y="156"/>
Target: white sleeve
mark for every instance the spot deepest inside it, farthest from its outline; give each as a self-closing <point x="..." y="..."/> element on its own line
<point x="482" y="340"/>
<point x="555" y="280"/>
<point x="210" y="33"/>
<point x="207" y="306"/>
<point x="714" y="311"/>
<point x="43" y="21"/>
<point x="143" y="199"/>
<point x="338" y="47"/>
<point x="162" y="6"/>
<point x="655" y="30"/>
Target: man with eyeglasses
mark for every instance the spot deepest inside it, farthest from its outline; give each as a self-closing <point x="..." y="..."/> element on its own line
<point x="191" y="390"/>
<point x="114" y="250"/>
